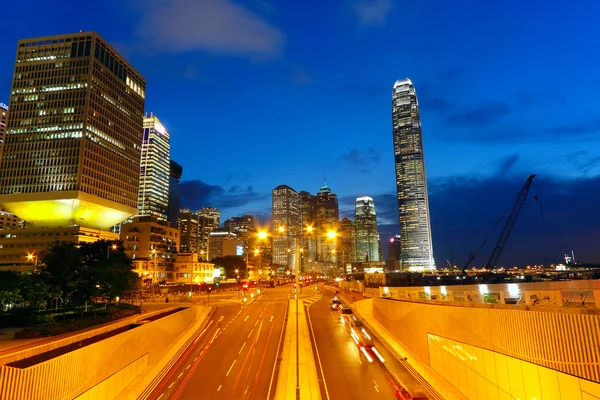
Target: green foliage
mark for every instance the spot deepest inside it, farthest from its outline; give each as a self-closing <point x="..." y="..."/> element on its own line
<point x="231" y="263"/>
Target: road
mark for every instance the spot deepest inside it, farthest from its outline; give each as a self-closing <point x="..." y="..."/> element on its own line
<point x="343" y="371"/>
<point x="235" y="355"/>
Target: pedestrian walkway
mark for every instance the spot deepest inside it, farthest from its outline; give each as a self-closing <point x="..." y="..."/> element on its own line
<point x="286" y="383"/>
<point x="307" y="302"/>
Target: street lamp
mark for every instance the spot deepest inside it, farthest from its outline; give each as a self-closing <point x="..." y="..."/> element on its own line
<point x="113" y="247"/>
<point x="33" y="257"/>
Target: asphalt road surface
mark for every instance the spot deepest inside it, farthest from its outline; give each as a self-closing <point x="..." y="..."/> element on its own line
<point x="344" y="372"/>
<point x="235" y="356"/>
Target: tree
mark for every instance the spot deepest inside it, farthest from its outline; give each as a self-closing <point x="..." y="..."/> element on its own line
<point x="62" y="264"/>
<point x="231" y="263"/>
<point x="10" y="292"/>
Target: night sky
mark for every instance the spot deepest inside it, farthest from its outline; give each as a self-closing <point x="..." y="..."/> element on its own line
<point x="260" y="93"/>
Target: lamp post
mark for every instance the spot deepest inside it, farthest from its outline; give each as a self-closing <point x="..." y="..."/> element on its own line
<point x="114" y="247"/>
<point x="33" y="257"/>
<point x="153" y="269"/>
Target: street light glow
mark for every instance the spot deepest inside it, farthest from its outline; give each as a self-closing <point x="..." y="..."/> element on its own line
<point x="263" y="234"/>
<point x="309" y="229"/>
<point x="281" y="229"/>
<point x="331" y="234"/>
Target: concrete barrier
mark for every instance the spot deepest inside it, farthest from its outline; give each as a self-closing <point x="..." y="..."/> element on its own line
<point x="106" y="367"/>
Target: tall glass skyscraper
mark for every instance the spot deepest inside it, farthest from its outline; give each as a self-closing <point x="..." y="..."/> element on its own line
<point x="367" y="239"/>
<point x="411" y="182"/>
<point x="286" y="225"/>
<point x="153" y="196"/>
<point x="326" y="219"/>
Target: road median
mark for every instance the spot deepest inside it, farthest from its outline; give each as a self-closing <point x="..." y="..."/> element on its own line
<point x="307" y="369"/>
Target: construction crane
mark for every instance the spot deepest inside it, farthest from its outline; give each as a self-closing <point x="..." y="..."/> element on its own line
<point x="510" y="223"/>
<point x="506" y="231"/>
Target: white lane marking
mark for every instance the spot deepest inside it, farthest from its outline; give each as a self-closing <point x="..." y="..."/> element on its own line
<point x="195" y="358"/>
<point x="221" y="318"/>
<point x="180" y="375"/>
<point x="242" y="348"/>
<point x="255" y="323"/>
<point x="171" y="385"/>
<point x="314" y="340"/>
<point x="271" y="320"/>
<point x="188" y="367"/>
<point x="219" y="388"/>
<point x="277" y="354"/>
<point x="160" y="397"/>
<point x="376" y="389"/>
<point x="229" y="370"/>
<point x="246" y="319"/>
<point x="251" y="332"/>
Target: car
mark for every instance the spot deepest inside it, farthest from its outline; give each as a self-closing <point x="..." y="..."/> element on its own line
<point x="345" y="309"/>
<point x="335" y="303"/>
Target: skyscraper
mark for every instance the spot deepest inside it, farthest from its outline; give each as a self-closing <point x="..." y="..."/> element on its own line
<point x="188" y="228"/>
<point x="175" y="172"/>
<point x="308" y="203"/>
<point x="367" y="239"/>
<point x="286" y="225"/>
<point x="72" y="146"/>
<point x="326" y="219"/>
<point x="153" y="196"/>
<point x="347" y="242"/>
<point x="3" y="120"/>
<point x="209" y="220"/>
<point x="411" y="182"/>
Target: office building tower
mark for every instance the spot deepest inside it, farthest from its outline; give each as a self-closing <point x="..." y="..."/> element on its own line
<point x="411" y="182"/>
<point x="175" y="172"/>
<point x="245" y="223"/>
<point x="10" y="221"/>
<point x="286" y="225"/>
<point x="188" y="227"/>
<point x="326" y="219"/>
<point x="212" y="214"/>
<point x="308" y="204"/>
<point x="394" y="248"/>
<point x="221" y="244"/>
<point x="3" y="120"/>
<point x="72" y="148"/>
<point x="367" y="239"/>
<point x="346" y="242"/>
<point x="208" y="221"/>
<point x="153" y="196"/>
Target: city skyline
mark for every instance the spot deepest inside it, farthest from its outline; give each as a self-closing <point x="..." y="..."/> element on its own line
<point x="484" y="135"/>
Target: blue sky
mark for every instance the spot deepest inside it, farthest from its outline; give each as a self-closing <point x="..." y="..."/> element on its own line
<point x="259" y="93"/>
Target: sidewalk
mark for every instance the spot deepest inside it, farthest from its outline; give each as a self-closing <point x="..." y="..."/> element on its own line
<point x="286" y="382"/>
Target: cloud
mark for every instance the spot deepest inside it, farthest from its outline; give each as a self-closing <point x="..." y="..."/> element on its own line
<point x="482" y="115"/>
<point x="300" y="77"/>
<point x="361" y="158"/>
<point x="217" y="26"/>
<point x="584" y="162"/>
<point x="507" y="164"/>
<point x="238" y="177"/>
<point x="372" y="12"/>
<point x="196" y="194"/>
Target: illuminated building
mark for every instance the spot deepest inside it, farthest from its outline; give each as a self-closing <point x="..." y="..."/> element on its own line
<point x="17" y="244"/>
<point x="346" y="248"/>
<point x="71" y="153"/>
<point x="209" y="220"/>
<point x="10" y="221"/>
<point x="152" y="245"/>
<point x="411" y="182"/>
<point x="175" y="172"/>
<point x="189" y="268"/>
<point x="326" y="219"/>
<point x="367" y="239"/>
<point x="3" y="120"/>
<point x="217" y="247"/>
<point x="286" y="225"/>
<point x="245" y="223"/>
<point x="153" y="196"/>
<point x="188" y="226"/>
<point x="394" y="248"/>
<point x="308" y="203"/>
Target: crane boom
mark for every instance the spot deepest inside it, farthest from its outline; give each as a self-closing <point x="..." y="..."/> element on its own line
<point x="510" y="223"/>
